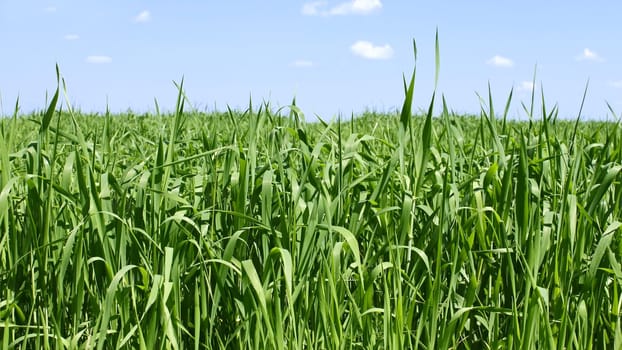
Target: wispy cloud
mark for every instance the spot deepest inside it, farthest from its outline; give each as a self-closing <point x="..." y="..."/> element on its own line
<point x="302" y="63"/>
<point x="617" y="84"/>
<point x="357" y="7"/>
<point x="312" y="8"/>
<point x="370" y="51"/>
<point x="71" y="37"/>
<point x="143" y="17"/>
<point x="353" y="7"/>
<point x="589" y="55"/>
<point x="96" y="59"/>
<point x="525" y="86"/>
<point x="500" y="61"/>
<point x="50" y="9"/>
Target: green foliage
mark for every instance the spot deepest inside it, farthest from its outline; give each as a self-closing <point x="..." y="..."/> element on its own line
<point x="253" y="230"/>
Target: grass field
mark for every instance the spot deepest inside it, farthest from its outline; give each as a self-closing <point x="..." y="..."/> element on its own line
<point x="256" y="230"/>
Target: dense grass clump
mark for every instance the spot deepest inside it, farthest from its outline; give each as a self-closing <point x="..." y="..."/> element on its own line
<point x="255" y="230"/>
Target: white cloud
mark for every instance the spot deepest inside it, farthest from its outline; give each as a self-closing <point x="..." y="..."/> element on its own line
<point x="589" y="55"/>
<point x="525" y="86"/>
<point x="500" y="61"/>
<point x="302" y="64"/>
<point x="353" y="7"/>
<point x="98" y="59"/>
<point x="71" y="37"/>
<point x="617" y="84"/>
<point x="144" y="16"/>
<point x="50" y="9"/>
<point x="312" y="8"/>
<point x="368" y="50"/>
<point x="358" y="7"/>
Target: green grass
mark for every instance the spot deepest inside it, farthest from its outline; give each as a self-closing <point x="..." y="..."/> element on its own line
<point x="254" y="230"/>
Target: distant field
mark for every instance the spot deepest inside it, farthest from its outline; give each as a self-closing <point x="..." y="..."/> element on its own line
<point x="255" y="230"/>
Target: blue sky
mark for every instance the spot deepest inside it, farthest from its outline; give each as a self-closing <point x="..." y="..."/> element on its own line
<point x="333" y="56"/>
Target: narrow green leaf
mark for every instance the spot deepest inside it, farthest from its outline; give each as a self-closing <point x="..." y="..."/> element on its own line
<point x="109" y="304"/>
<point x="49" y="113"/>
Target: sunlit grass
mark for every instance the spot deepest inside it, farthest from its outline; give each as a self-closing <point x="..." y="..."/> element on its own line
<point x="260" y="230"/>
